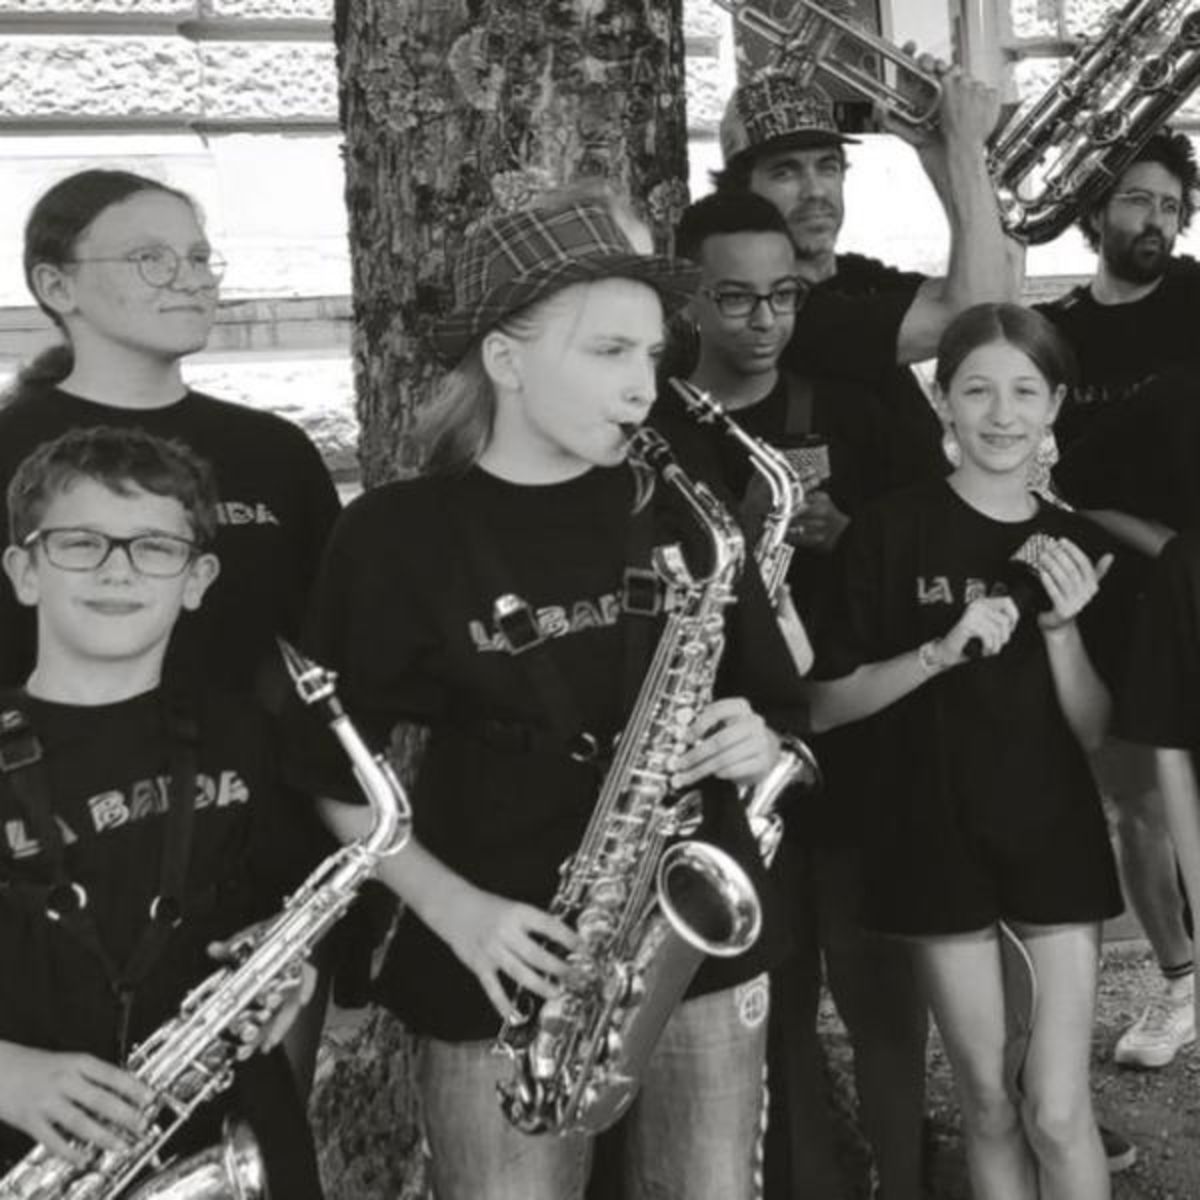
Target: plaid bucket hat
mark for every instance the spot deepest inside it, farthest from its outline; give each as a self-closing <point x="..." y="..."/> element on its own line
<point x="773" y="112"/>
<point x="516" y="258"/>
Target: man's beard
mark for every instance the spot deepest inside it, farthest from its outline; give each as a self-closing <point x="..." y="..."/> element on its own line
<point x="1142" y="259"/>
<point x="812" y="243"/>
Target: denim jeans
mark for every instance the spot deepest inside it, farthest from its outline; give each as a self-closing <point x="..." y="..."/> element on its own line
<point x="693" y="1133"/>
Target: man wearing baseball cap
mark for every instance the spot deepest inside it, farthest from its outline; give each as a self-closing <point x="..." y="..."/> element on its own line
<point x="864" y="318"/>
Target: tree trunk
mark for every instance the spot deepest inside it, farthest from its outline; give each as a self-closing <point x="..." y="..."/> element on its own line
<point x="456" y="108"/>
<point x="453" y="109"/>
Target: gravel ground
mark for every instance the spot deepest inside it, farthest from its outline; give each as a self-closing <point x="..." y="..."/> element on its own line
<point x="1158" y="1110"/>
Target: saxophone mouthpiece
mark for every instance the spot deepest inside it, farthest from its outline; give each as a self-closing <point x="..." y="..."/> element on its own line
<point x="311" y="680"/>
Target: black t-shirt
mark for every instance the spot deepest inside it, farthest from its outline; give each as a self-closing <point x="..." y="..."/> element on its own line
<point x="1140" y="454"/>
<point x="845" y="414"/>
<point x="404" y="613"/>
<point x="984" y="746"/>
<point x="107" y="770"/>
<point x="277" y="507"/>
<point x="1121" y="346"/>
<point x="1160" y="702"/>
<point x="848" y="329"/>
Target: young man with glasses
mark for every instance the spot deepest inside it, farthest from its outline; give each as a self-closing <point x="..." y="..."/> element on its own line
<point x="138" y="824"/>
<point x="744" y="314"/>
<point x="1120" y="433"/>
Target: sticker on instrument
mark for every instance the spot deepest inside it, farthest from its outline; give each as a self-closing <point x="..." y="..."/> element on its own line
<point x="753" y="999"/>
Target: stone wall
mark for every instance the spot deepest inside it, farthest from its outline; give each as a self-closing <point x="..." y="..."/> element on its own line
<point x="192" y="62"/>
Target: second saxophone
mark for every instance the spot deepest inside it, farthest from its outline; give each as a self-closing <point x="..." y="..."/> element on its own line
<point x="773" y="554"/>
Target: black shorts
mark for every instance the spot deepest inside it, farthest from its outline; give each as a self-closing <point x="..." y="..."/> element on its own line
<point x="956" y="879"/>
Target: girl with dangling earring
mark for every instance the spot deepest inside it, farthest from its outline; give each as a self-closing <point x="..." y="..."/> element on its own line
<point x="968" y="640"/>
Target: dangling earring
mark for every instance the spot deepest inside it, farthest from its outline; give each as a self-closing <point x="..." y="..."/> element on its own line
<point x="1044" y="459"/>
<point x="1047" y="451"/>
<point x="950" y="447"/>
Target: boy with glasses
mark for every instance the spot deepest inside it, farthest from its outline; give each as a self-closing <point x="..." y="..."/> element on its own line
<point x="140" y="821"/>
<point x="743" y="314"/>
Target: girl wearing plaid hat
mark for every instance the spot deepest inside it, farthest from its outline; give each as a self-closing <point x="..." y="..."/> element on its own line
<point x="552" y="348"/>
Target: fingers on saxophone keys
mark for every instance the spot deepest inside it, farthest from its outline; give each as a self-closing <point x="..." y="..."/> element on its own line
<point x="76" y="1153"/>
<point x="124" y="1086"/>
<point x="73" y="1118"/>
<point x="490" y="982"/>
<point x="119" y="1118"/>
<point x="529" y="979"/>
<point x="551" y="928"/>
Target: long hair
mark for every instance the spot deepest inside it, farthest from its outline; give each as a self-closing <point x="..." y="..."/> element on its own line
<point x="986" y="324"/>
<point x="52" y="233"/>
<point x="455" y="427"/>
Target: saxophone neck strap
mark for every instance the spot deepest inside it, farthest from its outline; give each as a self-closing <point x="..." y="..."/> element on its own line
<point x="23" y="768"/>
<point x="642" y="601"/>
<point x="798" y="417"/>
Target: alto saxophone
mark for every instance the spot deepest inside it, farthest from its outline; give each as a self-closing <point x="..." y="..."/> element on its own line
<point x="192" y="1057"/>
<point x="647" y="903"/>
<point x="773" y="553"/>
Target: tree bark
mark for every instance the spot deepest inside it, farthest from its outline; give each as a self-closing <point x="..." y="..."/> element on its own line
<point x="453" y="109"/>
<point x="456" y="108"/>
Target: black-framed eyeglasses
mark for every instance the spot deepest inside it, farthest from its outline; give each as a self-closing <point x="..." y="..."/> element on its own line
<point x="159" y="555"/>
<point x="784" y="300"/>
<point x="159" y="266"/>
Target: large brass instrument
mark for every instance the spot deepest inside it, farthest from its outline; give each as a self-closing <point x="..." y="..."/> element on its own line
<point x="192" y="1057"/>
<point x="818" y="45"/>
<point x="797" y="765"/>
<point x="1057" y="155"/>
<point x="647" y="903"/>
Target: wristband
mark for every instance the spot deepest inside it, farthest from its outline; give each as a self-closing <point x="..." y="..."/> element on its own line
<point x="927" y="658"/>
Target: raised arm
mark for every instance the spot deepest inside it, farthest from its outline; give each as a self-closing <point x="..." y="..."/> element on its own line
<point x="984" y="264"/>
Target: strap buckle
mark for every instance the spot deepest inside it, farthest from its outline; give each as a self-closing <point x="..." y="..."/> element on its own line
<point x="641" y="592"/>
<point x="19" y="745"/>
<point x="584" y="748"/>
<point x="515" y="620"/>
<point x="166" y="909"/>
<point x="65" y="899"/>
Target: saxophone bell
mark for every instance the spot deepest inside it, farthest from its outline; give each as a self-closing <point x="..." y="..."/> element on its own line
<point x="708" y="899"/>
<point x="233" y="1169"/>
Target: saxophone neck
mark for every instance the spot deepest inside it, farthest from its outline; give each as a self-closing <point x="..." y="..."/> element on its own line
<point x="728" y="546"/>
<point x="796" y="765"/>
<point x="376" y="776"/>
